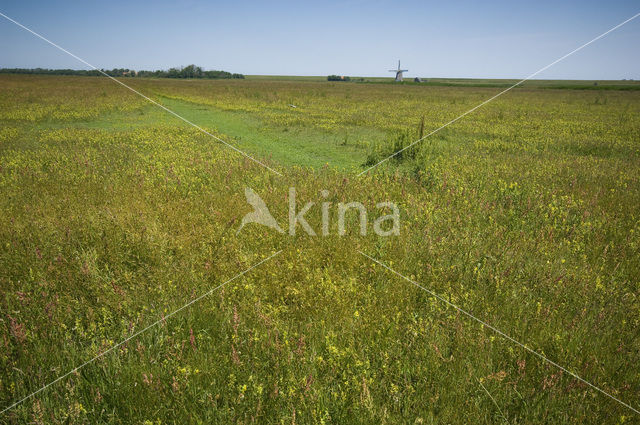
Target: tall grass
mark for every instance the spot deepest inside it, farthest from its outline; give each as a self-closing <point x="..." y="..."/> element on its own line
<point x="524" y="214"/>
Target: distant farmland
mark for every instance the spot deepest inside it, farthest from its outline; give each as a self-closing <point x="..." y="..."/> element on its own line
<point x="475" y="82"/>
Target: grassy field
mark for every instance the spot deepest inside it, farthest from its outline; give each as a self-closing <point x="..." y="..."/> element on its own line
<point x="114" y="214"/>
<point x="472" y="82"/>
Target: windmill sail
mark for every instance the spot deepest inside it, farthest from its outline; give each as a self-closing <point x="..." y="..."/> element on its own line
<point x="399" y="71"/>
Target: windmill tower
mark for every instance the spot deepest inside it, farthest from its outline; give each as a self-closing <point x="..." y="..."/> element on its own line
<point x="398" y="71"/>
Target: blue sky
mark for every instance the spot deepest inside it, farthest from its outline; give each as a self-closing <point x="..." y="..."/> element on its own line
<point x="491" y="39"/>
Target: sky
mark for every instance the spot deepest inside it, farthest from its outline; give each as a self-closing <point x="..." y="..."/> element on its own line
<point x="457" y="39"/>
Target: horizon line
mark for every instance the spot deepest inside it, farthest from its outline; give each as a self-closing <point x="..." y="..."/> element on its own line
<point x="635" y="79"/>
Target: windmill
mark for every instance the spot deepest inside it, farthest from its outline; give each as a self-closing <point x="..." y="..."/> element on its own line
<point x="398" y="71"/>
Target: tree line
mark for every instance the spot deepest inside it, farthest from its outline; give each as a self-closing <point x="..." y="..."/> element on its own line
<point x="190" y="71"/>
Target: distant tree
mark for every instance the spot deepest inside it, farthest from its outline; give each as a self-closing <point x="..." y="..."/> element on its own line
<point x="191" y="71"/>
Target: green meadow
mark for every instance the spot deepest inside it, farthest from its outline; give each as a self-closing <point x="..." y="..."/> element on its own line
<point x="126" y="285"/>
